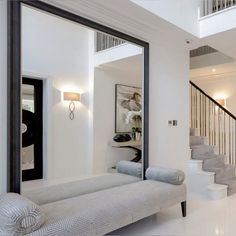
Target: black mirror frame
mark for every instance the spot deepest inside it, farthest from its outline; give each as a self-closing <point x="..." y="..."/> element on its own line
<point x="14" y="82"/>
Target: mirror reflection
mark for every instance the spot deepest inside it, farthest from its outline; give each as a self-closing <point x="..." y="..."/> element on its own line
<point x="27" y="110"/>
<point x="82" y="104"/>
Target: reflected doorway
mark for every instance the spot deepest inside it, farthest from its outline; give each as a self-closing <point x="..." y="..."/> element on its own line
<point x="32" y="129"/>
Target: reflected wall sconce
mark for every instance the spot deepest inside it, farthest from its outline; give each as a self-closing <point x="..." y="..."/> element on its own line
<point x="72" y="97"/>
<point x="221" y="101"/>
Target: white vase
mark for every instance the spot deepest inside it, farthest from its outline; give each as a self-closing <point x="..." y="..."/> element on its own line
<point x="137" y="136"/>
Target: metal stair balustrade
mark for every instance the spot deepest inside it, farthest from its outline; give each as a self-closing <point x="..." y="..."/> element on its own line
<point x="213" y="121"/>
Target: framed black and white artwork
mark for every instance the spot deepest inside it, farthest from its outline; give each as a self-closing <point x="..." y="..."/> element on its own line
<point x="128" y="108"/>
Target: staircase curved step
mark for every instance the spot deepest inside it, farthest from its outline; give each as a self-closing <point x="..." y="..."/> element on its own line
<point x="217" y="187"/>
<point x="217" y="191"/>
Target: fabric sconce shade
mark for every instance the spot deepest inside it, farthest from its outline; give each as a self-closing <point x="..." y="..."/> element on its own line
<point x="69" y="96"/>
<point x="72" y="97"/>
<point x="221" y="102"/>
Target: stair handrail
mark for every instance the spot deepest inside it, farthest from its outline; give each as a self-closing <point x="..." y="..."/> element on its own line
<point x="213" y="100"/>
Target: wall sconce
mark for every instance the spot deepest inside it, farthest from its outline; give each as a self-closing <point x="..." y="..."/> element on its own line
<point x="221" y="101"/>
<point x="72" y="97"/>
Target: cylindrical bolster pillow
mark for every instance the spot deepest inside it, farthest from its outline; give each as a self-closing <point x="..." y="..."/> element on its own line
<point x="130" y="168"/>
<point x="18" y="215"/>
<point x="167" y="175"/>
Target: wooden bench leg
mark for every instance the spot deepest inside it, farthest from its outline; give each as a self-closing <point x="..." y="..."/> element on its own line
<point x="184" y="208"/>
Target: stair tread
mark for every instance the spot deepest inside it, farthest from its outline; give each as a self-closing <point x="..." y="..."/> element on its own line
<point x="220" y="168"/>
<point x="202" y="145"/>
<point x="195" y="161"/>
<point x="217" y="187"/>
<point x="205" y="173"/>
<point x="229" y="181"/>
<point x="208" y="156"/>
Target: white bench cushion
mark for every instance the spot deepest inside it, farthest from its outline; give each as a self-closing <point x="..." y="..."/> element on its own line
<point x="63" y="191"/>
<point x="105" y="211"/>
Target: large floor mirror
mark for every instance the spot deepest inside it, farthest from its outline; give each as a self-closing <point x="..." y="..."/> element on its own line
<point x="83" y="94"/>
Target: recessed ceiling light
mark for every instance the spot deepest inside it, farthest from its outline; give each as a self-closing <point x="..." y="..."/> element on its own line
<point x="213" y="70"/>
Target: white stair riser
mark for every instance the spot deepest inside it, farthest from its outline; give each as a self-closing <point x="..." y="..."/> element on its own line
<point x="194" y="166"/>
<point x="216" y="194"/>
<point x="198" y="183"/>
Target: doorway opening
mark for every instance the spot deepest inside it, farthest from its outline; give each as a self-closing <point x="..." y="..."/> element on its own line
<point x="32" y="129"/>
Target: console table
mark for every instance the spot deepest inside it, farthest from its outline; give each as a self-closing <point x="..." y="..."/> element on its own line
<point x="135" y="145"/>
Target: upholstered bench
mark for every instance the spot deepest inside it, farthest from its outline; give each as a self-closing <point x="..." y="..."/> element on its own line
<point x="95" y="213"/>
<point x="128" y="172"/>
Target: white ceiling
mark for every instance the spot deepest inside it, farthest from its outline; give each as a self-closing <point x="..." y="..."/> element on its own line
<point x="129" y="65"/>
<point x="218" y="71"/>
<point x="223" y="42"/>
<point x="129" y="17"/>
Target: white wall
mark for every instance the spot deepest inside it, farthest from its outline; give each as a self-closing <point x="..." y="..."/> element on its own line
<point x="223" y="87"/>
<point x="169" y="99"/>
<point x="105" y="79"/>
<point x="182" y="13"/>
<point x="3" y="95"/>
<point x="58" y="50"/>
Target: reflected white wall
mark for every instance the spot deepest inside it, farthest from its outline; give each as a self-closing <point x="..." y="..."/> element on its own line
<point x="105" y="156"/>
<point x="58" y="51"/>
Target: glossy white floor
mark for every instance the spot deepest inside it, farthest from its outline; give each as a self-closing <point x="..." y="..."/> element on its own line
<point x="204" y="218"/>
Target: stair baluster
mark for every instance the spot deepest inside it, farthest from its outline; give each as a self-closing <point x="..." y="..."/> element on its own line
<point x="212" y="6"/>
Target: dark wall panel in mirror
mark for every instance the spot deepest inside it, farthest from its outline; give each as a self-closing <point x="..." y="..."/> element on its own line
<point x="32" y="129"/>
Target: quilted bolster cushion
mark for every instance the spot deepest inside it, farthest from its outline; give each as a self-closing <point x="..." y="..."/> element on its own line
<point x="167" y="175"/>
<point x="129" y="168"/>
<point x="18" y="215"/>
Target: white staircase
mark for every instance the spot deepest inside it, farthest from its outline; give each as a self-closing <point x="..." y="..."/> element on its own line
<point x="199" y="181"/>
<point x="211" y="170"/>
<point x="203" y="183"/>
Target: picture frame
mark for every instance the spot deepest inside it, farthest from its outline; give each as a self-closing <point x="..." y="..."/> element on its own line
<point x="128" y="108"/>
